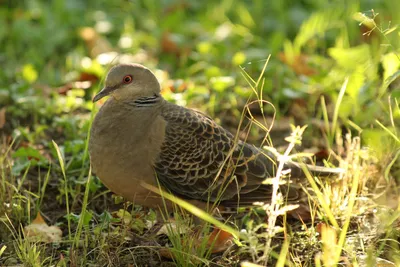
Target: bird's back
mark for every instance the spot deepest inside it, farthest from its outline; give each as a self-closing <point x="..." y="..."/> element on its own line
<point x="201" y="160"/>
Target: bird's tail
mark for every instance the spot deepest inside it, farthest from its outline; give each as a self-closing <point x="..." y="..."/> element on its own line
<point x="300" y="169"/>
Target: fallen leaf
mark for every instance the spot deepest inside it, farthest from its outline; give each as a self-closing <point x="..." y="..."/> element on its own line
<point x="322" y="154"/>
<point x="84" y="77"/>
<point x="170" y="45"/>
<point x="39" y="231"/>
<point x="176" y="7"/>
<point x="298" y="64"/>
<point x="62" y="90"/>
<point x="172" y="228"/>
<point x="95" y="43"/>
<point x="166" y="253"/>
<point x="220" y="240"/>
<point x="84" y="81"/>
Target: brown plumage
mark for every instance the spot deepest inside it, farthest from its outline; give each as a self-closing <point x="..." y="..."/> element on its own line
<point x="138" y="136"/>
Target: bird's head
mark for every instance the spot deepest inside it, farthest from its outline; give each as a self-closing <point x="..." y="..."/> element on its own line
<point x="129" y="82"/>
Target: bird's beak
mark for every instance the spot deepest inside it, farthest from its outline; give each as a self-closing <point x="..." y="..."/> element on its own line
<point x="104" y="92"/>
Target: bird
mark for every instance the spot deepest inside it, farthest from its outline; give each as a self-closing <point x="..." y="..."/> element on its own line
<point x="139" y="137"/>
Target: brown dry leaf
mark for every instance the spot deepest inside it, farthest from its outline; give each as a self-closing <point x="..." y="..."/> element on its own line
<point x="95" y="43"/>
<point x="166" y="253"/>
<point x="38" y="230"/>
<point x="62" y="90"/>
<point x="298" y="64"/>
<point x="88" y="77"/>
<point x="322" y="154"/>
<point x="176" y="7"/>
<point x="220" y="240"/>
<point x="169" y="46"/>
<point x="84" y="81"/>
<point x="174" y="86"/>
<point x="2" y="117"/>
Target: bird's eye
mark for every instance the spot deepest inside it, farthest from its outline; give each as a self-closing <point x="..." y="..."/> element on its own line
<point x="127" y="79"/>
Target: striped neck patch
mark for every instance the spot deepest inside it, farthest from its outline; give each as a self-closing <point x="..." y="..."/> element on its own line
<point x="145" y="101"/>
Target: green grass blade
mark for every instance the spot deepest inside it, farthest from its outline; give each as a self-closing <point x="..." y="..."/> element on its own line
<point x="192" y="209"/>
<point x="62" y="165"/>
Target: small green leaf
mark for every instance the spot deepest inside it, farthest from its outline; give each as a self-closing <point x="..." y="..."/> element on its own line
<point x="391" y="64"/>
<point x="213" y="72"/>
<point x="29" y="73"/>
<point x="2" y="249"/>
<point x="356" y="81"/>
<point x="351" y="58"/>
<point x="87" y="216"/>
<point x="60" y="157"/>
<point x="28" y="152"/>
<point x="239" y="58"/>
<point x="221" y="83"/>
<point x="204" y="47"/>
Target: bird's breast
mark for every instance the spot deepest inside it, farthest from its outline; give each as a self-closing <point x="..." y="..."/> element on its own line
<point x="123" y="150"/>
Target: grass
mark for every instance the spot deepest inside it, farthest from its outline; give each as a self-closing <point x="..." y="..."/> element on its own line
<point x="331" y="66"/>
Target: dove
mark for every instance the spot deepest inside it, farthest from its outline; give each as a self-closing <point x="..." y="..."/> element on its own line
<point x="138" y="137"/>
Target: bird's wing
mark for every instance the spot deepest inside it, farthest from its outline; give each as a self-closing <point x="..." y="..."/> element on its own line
<point x="200" y="160"/>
